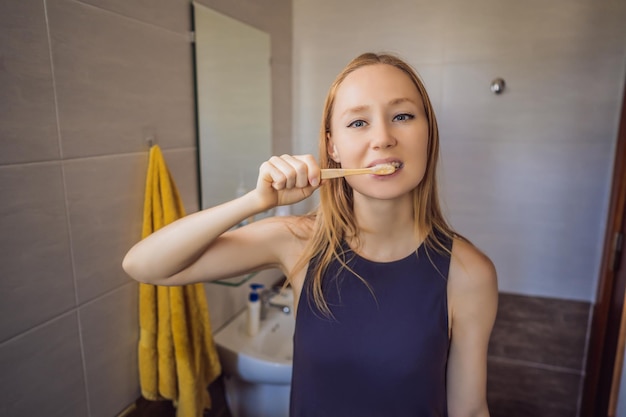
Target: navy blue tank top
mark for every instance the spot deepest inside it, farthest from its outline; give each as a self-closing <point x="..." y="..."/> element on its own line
<point x="384" y="353"/>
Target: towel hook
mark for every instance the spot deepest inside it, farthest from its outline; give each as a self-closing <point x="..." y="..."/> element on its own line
<point x="151" y="141"/>
<point x="498" y="85"/>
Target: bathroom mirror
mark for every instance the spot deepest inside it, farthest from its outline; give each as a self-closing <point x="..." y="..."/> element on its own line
<point x="233" y="95"/>
<point x="233" y="104"/>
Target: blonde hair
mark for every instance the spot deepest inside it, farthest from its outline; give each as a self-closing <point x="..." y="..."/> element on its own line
<point x="334" y="218"/>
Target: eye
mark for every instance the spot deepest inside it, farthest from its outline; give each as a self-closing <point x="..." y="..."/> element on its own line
<point x="403" y="117"/>
<point x="357" y="123"/>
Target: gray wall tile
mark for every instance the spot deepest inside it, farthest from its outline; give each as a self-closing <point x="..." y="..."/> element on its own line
<point x="539" y="330"/>
<point x="28" y="128"/>
<point x="522" y="152"/>
<point x="281" y="99"/>
<point x="432" y="77"/>
<point x="119" y="81"/>
<point x="183" y="165"/>
<point x="535" y="186"/>
<point x="492" y="30"/>
<point x="515" y="390"/>
<point x="105" y="197"/>
<point x="109" y="328"/>
<point x="561" y="99"/>
<point x="35" y="263"/>
<point x="347" y="29"/>
<point x="122" y="72"/>
<point x="42" y="372"/>
<point x="170" y="14"/>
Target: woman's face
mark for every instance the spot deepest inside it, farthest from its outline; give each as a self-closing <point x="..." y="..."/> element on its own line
<point x="378" y="117"/>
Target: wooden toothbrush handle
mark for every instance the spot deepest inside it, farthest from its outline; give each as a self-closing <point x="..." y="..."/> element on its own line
<point x="341" y="172"/>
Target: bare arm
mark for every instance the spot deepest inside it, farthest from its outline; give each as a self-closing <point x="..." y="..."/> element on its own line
<point x="473" y="295"/>
<point x="199" y="247"/>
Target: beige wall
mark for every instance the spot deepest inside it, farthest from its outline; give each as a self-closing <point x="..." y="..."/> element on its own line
<point x="525" y="175"/>
<point x="84" y="83"/>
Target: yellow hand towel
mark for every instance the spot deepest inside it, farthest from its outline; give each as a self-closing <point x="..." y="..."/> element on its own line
<point x="177" y="355"/>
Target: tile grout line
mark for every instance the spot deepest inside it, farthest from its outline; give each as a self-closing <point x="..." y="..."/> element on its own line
<point x="89" y="157"/>
<point x="536" y="365"/>
<point x="581" y="386"/>
<point x="61" y="315"/>
<point x="37" y="326"/>
<point x="185" y="35"/>
<point x="67" y="211"/>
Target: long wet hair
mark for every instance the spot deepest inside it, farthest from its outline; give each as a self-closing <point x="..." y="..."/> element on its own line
<point x="334" y="219"/>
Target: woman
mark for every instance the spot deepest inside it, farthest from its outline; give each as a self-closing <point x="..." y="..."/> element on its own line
<point x="394" y="309"/>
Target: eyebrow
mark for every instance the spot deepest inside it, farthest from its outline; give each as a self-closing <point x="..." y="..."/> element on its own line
<point x="402" y="100"/>
<point x="395" y="101"/>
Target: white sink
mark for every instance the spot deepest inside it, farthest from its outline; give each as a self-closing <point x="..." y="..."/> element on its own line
<point x="264" y="358"/>
<point x="257" y="369"/>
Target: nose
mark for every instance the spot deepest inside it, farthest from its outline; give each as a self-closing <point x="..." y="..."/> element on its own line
<point x="383" y="137"/>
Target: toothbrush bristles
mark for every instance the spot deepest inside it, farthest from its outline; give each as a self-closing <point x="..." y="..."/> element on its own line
<point x="386" y="169"/>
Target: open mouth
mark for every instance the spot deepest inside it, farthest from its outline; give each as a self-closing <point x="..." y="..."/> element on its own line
<point x="387" y="162"/>
<point x="386" y="168"/>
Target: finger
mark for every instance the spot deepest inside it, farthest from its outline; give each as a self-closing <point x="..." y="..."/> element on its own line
<point x="272" y="176"/>
<point x="301" y="169"/>
<point x="313" y="169"/>
<point x="289" y="173"/>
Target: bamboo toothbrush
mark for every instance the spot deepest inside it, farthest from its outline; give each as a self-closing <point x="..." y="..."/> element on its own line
<point x="381" y="169"/>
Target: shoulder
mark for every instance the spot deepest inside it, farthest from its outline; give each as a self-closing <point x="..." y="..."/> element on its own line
<point x="472" y="280"/>
<point x="469" y="266"/>
<point x="289" y="237"/>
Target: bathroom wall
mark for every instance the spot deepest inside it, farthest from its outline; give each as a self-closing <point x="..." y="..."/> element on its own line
<point x="84" y="83"/>
<point x="525" y="175"/>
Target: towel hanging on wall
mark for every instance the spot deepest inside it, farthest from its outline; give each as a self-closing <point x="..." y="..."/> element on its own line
<point x="177" y="355"/>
